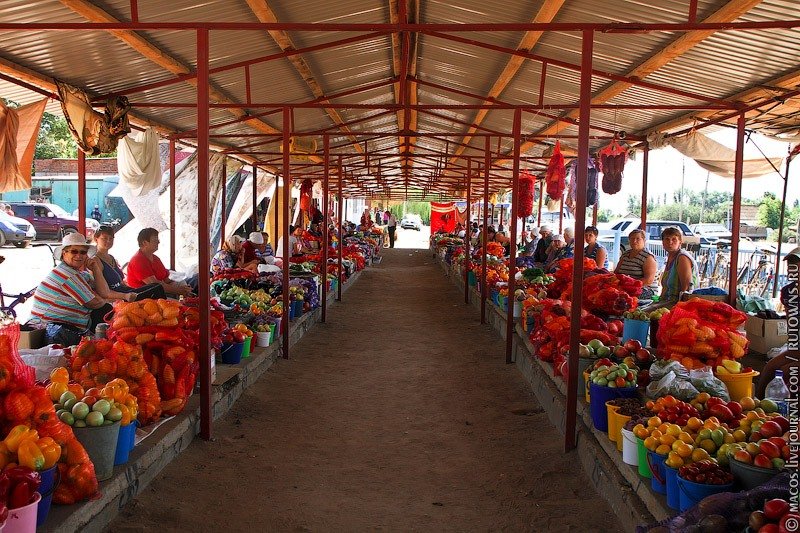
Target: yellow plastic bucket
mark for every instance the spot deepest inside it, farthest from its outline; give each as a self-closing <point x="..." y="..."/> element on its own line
<point x="613" y="430"/>
<point x="739" y="385"/>
<point x="617" y="422"/>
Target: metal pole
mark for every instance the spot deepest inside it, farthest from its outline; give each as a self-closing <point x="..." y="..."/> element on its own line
<point x="780" y="226"/>
<point x="487" y="153"/>
<point x="275" y="214"/>
<point x="645" y="168"/>
<point x="736" y="216"/>
<point x="580" y="223"/>
<point x="595" y="209"/>
<point x="203" y="234"/>
<point x="339" y="277"/>
<point x="255" y="198"/>
<point x="224" y="198"/>
<point x="172" y="204"/>
<point x="324" y="266"/>
<point x="561" y="215"/>
<point x="541" y="196"/>
<point x="512" y="221"/>
<point x="81" y="192"/>
<point x="287" y="183"/>
<point x="467" y="234"/>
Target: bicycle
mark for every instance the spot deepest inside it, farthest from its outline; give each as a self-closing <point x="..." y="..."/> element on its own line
<point x="24" y="296"/>
<point x="757" y="281"/>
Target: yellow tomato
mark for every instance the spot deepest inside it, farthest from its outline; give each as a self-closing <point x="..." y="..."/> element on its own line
<point x="694" y="423"/>
<point x="699" y="454"/>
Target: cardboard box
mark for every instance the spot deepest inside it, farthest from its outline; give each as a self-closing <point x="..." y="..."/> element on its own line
<point x="766" y="334"/>
<point x="30" y="338"/>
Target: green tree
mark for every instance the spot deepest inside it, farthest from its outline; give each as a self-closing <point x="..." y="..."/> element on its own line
<point x="55" y="140"/>
<point x="769" y="212"/>
<point x="605" y="215"/>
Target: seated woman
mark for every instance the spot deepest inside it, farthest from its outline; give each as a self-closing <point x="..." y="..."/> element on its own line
<point x="638" y="263"/>
<point x="112" y="273"/>
<point x="231" y="257"/>
<point x="266" y="248"/>
<point x="594" y="250"/>
<point x="558" y="250"/>
<point x="74" y="296"/>
<point x="680" y="271"/>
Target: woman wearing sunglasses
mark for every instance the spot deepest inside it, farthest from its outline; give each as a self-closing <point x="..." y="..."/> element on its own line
<point x="73" y="298"/>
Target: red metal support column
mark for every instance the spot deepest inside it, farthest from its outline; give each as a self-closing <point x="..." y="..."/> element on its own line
<point x="81" y="192"/>
<point x="287" y="184"/>
<point x="172" y="204"/>
<point x="324" y="266"/>
<point x="255" y="198"/>
<point x="487" y="153"/>
<point x="275" y="212"/>
<point x="512" y="221"/>
<point x="736" y="215"/>
<point x="580" y="224"/>
<point x="467" y="233"/>
<point x="203" y="234"/>
<point x="645" y="170"/>
<point x="561" y="215"/>
<point x="541" y="197"/>
<point x="780" y="226"/>
<point x="339" y="277"/>
<point x="224" y="218"/>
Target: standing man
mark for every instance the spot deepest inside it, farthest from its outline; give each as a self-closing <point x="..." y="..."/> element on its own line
<point x="96" y="214"/>
<point x="392" y="228"/>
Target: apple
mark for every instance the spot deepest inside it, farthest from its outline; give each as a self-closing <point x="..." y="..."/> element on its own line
<point x="774" y="509"/>
<point x="633" y="345"/>
<point x="643" y="355"/>
<point x="762" y="461"/>
<point x="742" y="456"/>
<point x="735" y="407"/>
<point x="770" y="428"/>
<point x="620" y="352"/>
<point x="594" y="344"/>
<point x="782" y="422"/>
<point x="238" y="336"/>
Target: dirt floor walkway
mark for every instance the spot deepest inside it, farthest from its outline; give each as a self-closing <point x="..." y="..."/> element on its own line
<point x="399" y="414"/>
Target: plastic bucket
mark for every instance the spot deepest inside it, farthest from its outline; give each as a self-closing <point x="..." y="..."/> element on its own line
<point x="274" y="329"/>
<point x="263" y="338"/>
<point x="630" y="453"/>
<point x="50" y="480"/>
<point x="599" y="395"/>
<point x="494" y="295"/>
<point x="586" y="382"/>
<point x="124" y="444"/>
<point x="291" y="310"/>
<point x="659" y="480"/>
<point x="673" y="493"/>
<point x="101" y="445"/>
<point x="635" y="329"/>
<point x="232" y="353"/>
<point x="613" y="430"/>
<point x="132" y="435"/>
<point x="298" y="308"/>
<point x="616" y="422"/>
<point x="246" y="347"/>
<point x="471" y="280"/>
<point x="641" y="451"/>
<point x="23" y="519"/>
<point x="517" y="309"/>
<point x="750" y="476"/>
<point x="739" y="385"/>
<point x="693" y="493"/>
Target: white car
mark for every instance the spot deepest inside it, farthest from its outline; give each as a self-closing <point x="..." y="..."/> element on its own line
<point x="411" y="222"/>
<point x="712" y="232"/>
<point x="17" y="230"/>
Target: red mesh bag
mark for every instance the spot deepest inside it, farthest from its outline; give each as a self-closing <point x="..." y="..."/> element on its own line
<point x="556" y="176"/>
<point x="526" y="187"/>
<point x="12" y="364"/>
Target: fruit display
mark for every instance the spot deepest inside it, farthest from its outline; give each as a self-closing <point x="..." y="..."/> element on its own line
<point x="769" y="453"/>
<point x="705" y="472"/>
<point x="613" y="375"/>
<point x="631" y="407"/>
<point x="658" y="313"/>
<point x="636" y="314"/>
<point x="147" y="312"/>
<point x="634" y="349"/>
<point x="701" y="333"/>
<point x="670" y="409"/>
<point x="594" y="349"/>
<point x="729" y="366"/>
<point x="776" y="516"/>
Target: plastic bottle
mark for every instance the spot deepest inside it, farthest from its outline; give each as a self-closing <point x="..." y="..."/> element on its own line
<point x="778" y="392"/>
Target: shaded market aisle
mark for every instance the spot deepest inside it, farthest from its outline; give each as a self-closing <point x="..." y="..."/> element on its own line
<point x="398" y="414"/>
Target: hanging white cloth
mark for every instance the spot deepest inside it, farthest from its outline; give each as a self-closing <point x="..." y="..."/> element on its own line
<point x="720" y="159"/>
<point x="138" y="162"/>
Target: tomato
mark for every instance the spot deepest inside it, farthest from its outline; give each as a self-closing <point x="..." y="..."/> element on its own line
<point x="774" y="509"/>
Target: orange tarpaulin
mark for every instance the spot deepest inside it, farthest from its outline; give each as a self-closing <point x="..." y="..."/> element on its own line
<point x="19" y="129"/>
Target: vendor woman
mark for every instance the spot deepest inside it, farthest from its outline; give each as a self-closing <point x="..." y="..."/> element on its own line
<point x="680" y="271"/>
<point x="74" y="297"/>
<point x="639" y="263"/>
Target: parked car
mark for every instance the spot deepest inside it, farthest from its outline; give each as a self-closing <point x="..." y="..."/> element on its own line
<point x="16" y="231"/>
<point x="411" y="221"/>
<point x="653" y="230"/>
<point x="712" y="232"/>
<point x="51" y="221"/>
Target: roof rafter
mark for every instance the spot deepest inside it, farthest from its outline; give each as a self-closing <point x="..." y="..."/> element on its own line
<point x="404" y="65"/>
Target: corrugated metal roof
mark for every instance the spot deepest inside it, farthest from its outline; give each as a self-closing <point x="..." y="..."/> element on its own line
<point x="720" y="66"/>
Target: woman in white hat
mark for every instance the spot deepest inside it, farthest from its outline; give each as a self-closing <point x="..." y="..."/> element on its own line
<point x="73" y="298"/>
<point x="231" y="257"/>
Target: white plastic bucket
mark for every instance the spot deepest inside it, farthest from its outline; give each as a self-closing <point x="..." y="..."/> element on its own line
<point x="517" y="309"/>
<point x="262" y="338"/>
<point x="630" y="453"/>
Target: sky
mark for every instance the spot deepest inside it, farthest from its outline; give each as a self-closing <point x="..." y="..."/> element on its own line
<point x="665" y="173"/>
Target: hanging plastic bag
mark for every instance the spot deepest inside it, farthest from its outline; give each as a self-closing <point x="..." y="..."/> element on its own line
<point x="612" y="162"/>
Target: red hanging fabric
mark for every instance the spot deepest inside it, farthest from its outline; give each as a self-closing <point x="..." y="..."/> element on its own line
<point x="305" y="195"/>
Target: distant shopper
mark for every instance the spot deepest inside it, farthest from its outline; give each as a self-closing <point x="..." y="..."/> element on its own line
<point x="392" y="226"/>
<point x="96" y="214"/>
<point x="638" y="263"/>
<point x="543" y="246"/>
<point x="145" y="267"/>
<point x="386" y="215"/>
<point x="593" y="249"/>
<point x="533" y="242"/>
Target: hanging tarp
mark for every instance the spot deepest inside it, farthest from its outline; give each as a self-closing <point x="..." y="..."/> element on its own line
<point x="19" y="145"/>
<point x="443" y="217"/>
<point x="719" y="159"/>
<point x="95" y="133"/>
<point x="138" y="162"/>
<point x="9" y="166"/>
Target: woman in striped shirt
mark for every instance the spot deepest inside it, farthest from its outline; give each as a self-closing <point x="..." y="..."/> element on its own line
<point x="638" y="263"/>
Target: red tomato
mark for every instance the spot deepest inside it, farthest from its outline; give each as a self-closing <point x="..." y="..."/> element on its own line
<point x="774" y="509"/>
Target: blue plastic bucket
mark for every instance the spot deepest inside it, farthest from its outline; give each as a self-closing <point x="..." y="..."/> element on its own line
<point x="673" y="493"/>
<point x="635" y="329"/>
<point x="693" y="493"/>
<point x="124" y="444"/>
<point x="297" y="306"/>
<point x="599" y="395"/>
<point x="659" y="480"/>
<point x="50" y="480"/>
<point x="132" y="435"/>
<point x="471" y="280"/>
<point x="232" y="353"/>
<point x="495" y="295"/>
<point x="291" y="310"/>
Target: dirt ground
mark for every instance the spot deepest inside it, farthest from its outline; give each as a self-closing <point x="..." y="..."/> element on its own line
<point x="399" y="414"/>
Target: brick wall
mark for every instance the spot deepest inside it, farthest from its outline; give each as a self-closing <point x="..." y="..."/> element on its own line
<point x="70" y="166"/>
